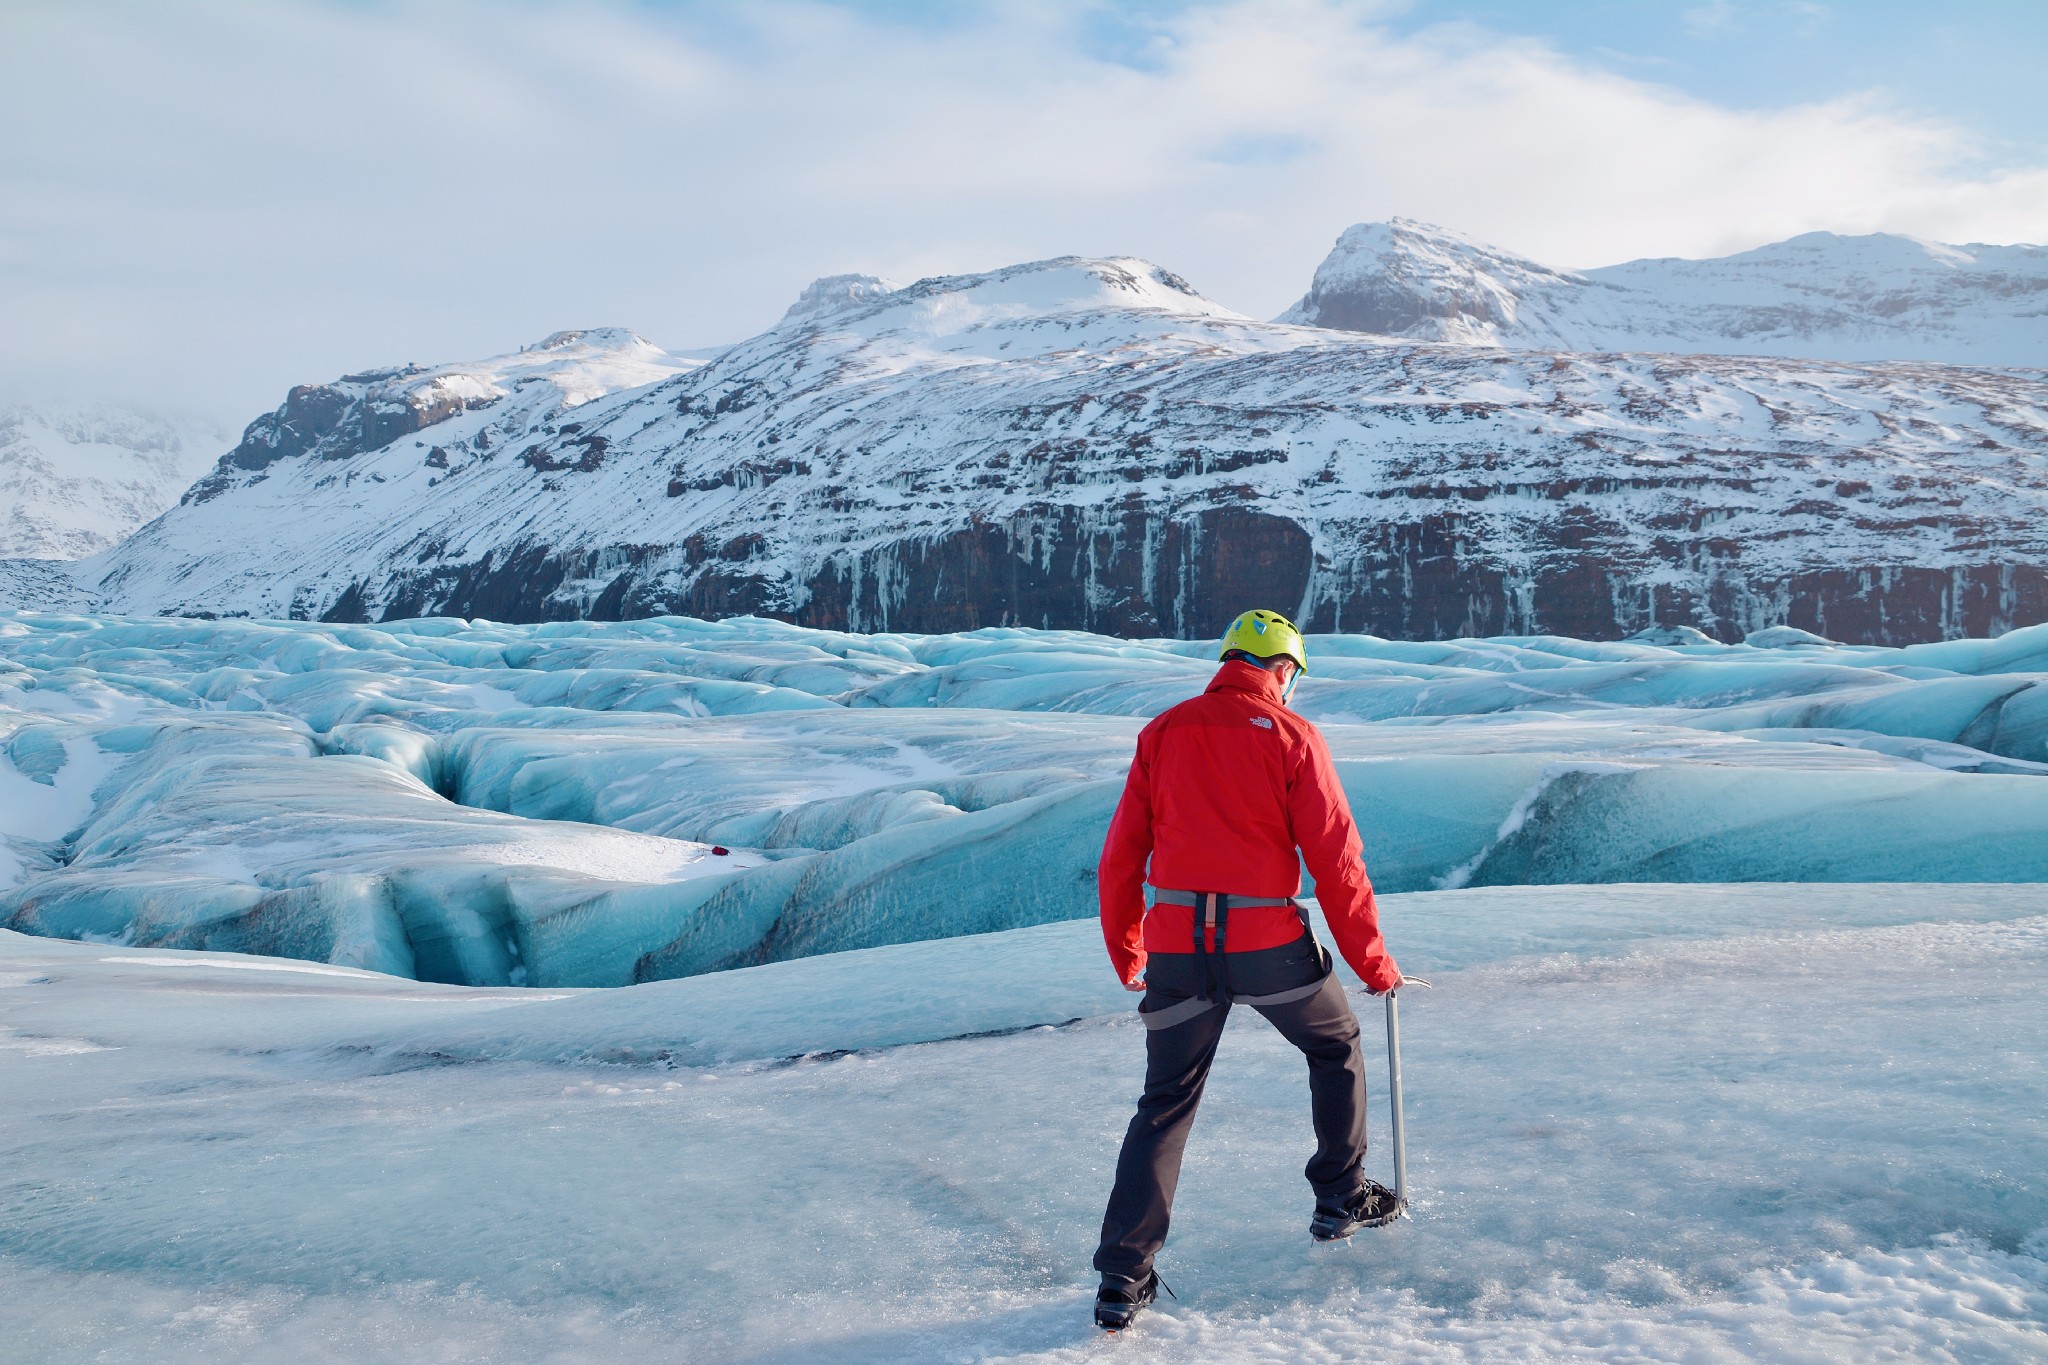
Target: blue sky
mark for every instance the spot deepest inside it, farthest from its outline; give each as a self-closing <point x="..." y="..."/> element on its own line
<point x="1977" y="63"/>
<point x="207" y="201"/>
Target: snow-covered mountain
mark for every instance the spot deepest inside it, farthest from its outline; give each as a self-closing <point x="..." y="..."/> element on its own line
<point x="322" y="433"/>
<point x="1818" y="295"/>
<point x="76" y="478"/>
<point x="363" y="412"/>
<point x="1091" y="443"/>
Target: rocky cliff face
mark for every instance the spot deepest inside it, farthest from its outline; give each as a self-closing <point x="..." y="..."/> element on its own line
<point x="1818" y="296"/>
<point x="359" y="413"/>
<point x="1080" y="443"/>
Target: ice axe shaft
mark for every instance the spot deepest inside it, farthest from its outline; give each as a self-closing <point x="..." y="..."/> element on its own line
<point x="1394" y="1092"/>
<point x="1394" y="1098"/>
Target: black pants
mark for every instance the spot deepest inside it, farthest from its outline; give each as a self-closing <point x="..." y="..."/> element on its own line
<point x="1177" y="1067"/>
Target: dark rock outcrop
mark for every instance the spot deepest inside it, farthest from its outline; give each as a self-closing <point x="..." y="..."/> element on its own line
<point x="1159" y="577"/>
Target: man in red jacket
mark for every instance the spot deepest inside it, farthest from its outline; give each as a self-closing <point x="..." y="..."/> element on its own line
<point x="1223" y="791"/>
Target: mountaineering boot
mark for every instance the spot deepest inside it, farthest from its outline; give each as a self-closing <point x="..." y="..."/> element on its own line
<point x="1118" y="1301"/>
<point x="1374" y="1206"/>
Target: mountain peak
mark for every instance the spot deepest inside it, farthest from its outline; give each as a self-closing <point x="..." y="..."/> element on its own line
<point x="1412" y="279"/>
<point x="371" y="409"/>
<point x="593" y="339"/>
<point x="831" y="294"/>
<point x="1865" y="251"/>
<point x="1059" y="285"/>
<point x="1820" y="295"/>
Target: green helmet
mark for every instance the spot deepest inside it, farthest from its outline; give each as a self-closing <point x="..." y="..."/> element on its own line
<point x="1265" y="635"/>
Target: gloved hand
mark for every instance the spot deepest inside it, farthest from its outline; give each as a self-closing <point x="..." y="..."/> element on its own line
<point x="1384" y="977"/>
<point x="1135" y="982"/>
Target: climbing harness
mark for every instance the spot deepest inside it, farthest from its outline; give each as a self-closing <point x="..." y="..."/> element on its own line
<point x="1212" y="922"/>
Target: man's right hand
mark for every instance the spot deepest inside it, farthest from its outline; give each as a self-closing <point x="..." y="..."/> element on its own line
<point x="1135" y="984"/>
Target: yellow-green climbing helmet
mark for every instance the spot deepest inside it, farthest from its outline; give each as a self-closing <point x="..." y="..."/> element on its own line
<point x="1265" y="635"/>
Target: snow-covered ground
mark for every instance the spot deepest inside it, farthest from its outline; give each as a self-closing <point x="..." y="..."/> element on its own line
<point x="1671" y="1123"/>
<point x="545" y="805"/>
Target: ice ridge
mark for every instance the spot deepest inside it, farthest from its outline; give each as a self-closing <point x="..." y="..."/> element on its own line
<point x="542" y="805"/>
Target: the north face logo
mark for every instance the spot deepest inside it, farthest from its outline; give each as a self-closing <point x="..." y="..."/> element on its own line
<point x="1263" y="722"/>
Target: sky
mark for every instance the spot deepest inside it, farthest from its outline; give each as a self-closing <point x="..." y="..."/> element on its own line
<point x="204" y="202"/>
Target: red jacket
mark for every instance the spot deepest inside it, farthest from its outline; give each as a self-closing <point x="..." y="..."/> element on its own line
<point x="1224" y="788"/>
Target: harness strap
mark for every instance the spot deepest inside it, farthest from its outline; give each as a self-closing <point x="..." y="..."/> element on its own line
<point x="1179" y="1013"/>
<point x="1215" y="910"/>
<point x="1219" y="917"/>
<point x="1163" y="896"/>
<point x="1187" y="1009"/>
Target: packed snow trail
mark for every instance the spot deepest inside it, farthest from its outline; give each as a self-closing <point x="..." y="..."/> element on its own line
<point x="1646" y="1122"/>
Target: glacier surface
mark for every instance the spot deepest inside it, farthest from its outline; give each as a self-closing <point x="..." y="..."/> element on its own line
<point x="598" y="804"/>
<point x="1758" y="1122"/>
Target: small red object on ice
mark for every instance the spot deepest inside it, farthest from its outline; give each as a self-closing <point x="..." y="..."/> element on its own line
<point x="720" y="850"/>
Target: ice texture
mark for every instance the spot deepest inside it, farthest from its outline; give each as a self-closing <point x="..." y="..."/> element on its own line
<point x="1760" y="1122"/>
<point x="540" y="805"/>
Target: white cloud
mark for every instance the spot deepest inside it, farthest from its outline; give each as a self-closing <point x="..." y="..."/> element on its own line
<point x="222" y="199"/>
<point x="1713" y="17"/>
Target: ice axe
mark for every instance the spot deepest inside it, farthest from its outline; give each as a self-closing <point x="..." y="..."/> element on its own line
<point x="1394" y="1092"/>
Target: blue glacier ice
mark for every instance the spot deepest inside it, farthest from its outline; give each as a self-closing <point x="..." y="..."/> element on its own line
<point x="490" y="804"/>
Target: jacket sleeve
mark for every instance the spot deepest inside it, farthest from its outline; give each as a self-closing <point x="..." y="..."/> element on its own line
<point x="1120" y="876"/>
<point x="1323" y="828"/>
